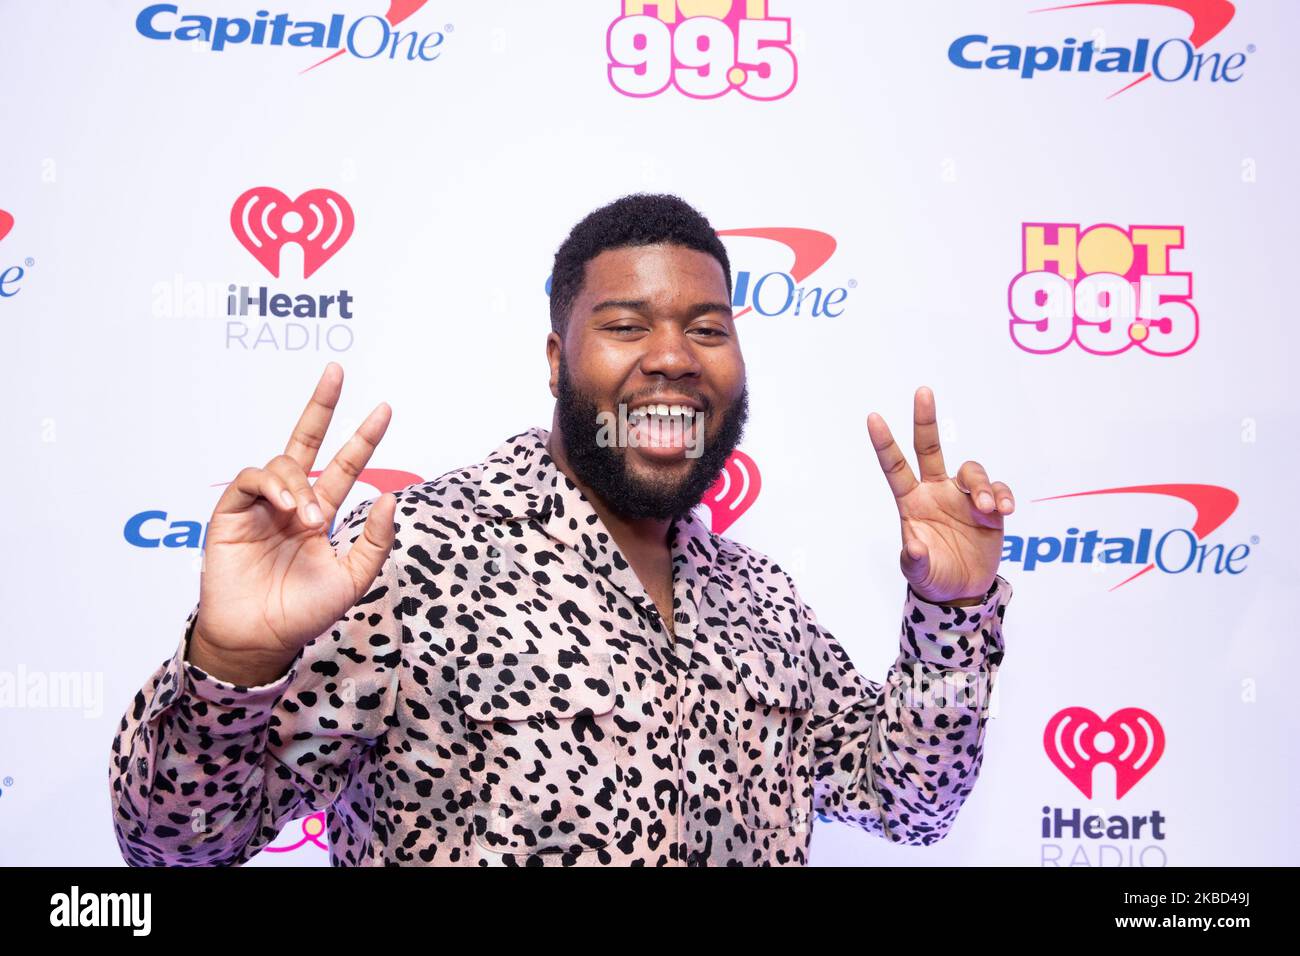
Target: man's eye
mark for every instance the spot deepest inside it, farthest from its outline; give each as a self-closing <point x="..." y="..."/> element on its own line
<point x="712" y="333"/>
<point x="625" y="328"/>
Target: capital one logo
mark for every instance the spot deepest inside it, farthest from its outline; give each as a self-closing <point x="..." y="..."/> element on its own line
<point x="1178" y="550"/>
<point x="704" y="48"/>
<point x="10" y="276"/>
<point x="1168" y="59"/>
<point x="1078" y="741"/>
<point x="1104" y="289"/>
<point x="264" y="219"/>
<point x="735" y="490"/>
<point x="367" y="37"/>
<point x="794" y="254"/>
<point x="781" y="292"/>
<point x="155" y="529"/>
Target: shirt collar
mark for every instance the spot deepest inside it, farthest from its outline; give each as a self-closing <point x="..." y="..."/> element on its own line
<point x="520" y="481"/>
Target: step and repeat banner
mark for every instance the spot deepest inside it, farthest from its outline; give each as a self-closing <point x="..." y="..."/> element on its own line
<point x="1075" y="222"/>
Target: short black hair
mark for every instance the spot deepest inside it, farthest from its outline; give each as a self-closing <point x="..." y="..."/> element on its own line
<point x="639" y="219"/>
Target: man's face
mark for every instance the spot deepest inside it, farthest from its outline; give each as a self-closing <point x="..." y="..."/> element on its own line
<point x="651" y="326"/>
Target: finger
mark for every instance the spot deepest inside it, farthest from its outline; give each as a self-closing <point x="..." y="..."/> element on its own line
<point x="897" y="471"/>
<point x="290" y="472"/>
<point x="974" y="480"/>
<point x="1006" y="500"/>
<point x="341" y="474"/>
<point x="309" y="433"/>
<point x="925" y="436"/>
<point x="914" y="561"/>
<point x="367" y="554"/>
<point x="252" y="485"/>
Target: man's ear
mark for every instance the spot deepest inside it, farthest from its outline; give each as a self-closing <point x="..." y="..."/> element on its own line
<point x="553" y="349"/>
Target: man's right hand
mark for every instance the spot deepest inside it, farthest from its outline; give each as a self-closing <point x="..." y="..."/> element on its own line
<point x="271" y="580"/>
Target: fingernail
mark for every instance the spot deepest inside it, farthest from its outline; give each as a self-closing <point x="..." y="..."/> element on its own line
<point x="286" y="498"/>
<point x="1006" y="502"/>
<point x="313" y="514"/>
<point x="985" y="500"/>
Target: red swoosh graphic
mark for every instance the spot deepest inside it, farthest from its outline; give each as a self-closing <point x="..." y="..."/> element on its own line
<point x="811" y="248"/>
<point x="6" y="223"/>
<point x="1209" y="17"/>
<point x="1214" y="504"/>
<point x="398" y="10"/>
<point x="382" y="480"/>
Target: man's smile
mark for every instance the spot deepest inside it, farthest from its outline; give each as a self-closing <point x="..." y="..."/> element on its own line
<point x="667" y="430"/>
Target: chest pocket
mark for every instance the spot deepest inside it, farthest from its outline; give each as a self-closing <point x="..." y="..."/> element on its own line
<point x="775" y="751"/>
<point x="546" y="769"/>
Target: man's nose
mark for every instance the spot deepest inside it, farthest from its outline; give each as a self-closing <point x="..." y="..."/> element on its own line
<point x="669" y="353"/>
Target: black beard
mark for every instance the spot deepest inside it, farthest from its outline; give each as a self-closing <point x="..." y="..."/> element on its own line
<point x="605" y="471"/>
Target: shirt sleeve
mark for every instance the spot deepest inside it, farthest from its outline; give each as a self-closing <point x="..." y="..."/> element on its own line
<point x="900" y="758"/>
<point x="205" y="772"/>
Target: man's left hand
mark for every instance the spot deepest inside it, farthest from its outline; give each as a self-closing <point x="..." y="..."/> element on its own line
<point x="952" y="527"/>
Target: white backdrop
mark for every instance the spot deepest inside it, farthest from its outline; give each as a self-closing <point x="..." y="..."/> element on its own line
<point x="127" y="391"/>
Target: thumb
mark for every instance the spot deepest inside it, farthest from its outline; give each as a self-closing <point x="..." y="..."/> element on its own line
<point x="914" y="560"/>
<point x="367" y="554"/>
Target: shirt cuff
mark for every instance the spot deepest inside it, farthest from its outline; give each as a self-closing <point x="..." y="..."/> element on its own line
<point x="960" y="638"/>
<point x="234" y="708"/>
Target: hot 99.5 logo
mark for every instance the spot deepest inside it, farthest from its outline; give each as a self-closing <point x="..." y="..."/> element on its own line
<point x="1104" y="288"/>
<point x="704" y="48"/>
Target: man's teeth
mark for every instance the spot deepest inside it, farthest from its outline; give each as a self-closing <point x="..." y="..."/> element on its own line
<point x="662" y="412"/>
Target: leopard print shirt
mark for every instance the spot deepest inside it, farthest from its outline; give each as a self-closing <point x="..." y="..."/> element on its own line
<point x="506" y="694"/>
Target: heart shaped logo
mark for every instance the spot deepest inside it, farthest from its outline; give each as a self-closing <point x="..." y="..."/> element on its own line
<point x="1132" y="743"/>
<point x="734" y="491"/>
<point x="6" y="223"/>
<point x="264" y="219"/>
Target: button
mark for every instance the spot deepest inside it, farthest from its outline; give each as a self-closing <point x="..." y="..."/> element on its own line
<point x="502" y="812"/>
<point x="142" y="767"/>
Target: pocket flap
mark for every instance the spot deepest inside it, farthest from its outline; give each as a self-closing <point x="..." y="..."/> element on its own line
<point x="535" y="686"/>
<point x="775" y="680"/>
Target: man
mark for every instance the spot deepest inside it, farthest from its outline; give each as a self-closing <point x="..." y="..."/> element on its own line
<point x="547" y="658"/>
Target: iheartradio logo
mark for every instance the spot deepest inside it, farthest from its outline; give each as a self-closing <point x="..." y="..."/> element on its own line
<point x="735" y="490"/>
<point x="1077" y="740"/>
<point x="264" y="219"/>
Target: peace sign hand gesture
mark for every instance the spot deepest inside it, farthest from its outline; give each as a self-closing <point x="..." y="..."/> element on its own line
<point x="272" y="580"/>
<point x="952" y="527"/>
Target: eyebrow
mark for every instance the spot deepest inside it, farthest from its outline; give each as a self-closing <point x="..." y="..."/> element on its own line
<point x="643" y="306"/>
